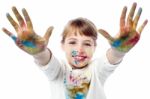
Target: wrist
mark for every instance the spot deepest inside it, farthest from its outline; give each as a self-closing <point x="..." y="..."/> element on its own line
<point x="40" y="53"/>
<point x="114" y="56"/>
<point x="43" y="57"/>
<point x="117" y="53"/>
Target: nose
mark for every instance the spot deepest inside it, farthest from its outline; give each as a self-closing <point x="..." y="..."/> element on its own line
<point x="80" y="48"/>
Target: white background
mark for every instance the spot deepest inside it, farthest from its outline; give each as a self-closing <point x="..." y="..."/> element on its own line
<point x="20" y="78"/>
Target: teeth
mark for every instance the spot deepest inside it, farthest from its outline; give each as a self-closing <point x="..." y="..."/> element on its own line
<point x="80" y="57"/>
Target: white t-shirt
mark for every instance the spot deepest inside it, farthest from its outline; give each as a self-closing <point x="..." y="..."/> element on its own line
<point x="86" y="83"/>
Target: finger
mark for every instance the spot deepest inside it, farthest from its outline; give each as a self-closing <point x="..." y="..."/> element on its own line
<point x="142" y="26"/>
<point x="135" y="22"/>
<point x="13" y="23"/>
<point x="27" y="18"/>
<point x="19" y="17"/>
<point x="15" y="39"/>
<point x="9" y="34"/>
<point x="106" y="35"/>
<point x="122" y="19"/>
<point x="48" y="33"/>
<point x="130" y="16"/>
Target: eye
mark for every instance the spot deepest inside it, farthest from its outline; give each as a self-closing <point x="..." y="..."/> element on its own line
<point x="87" y="44"/>
<point x="72" y="42"/>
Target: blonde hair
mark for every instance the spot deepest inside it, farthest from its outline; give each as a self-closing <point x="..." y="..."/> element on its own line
<point x="82" y="26"/>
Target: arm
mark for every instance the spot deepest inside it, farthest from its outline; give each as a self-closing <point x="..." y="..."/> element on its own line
<point x="27" y="40"/>
<point x="127" y="37"/>
<point x="35" y="45"/>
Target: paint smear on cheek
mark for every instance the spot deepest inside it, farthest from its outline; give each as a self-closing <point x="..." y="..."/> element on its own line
<point x="74" y="53"/>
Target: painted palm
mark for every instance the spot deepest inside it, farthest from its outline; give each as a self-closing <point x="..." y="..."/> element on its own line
<point x="128" y="35"/>
<point x="26" y="38"/>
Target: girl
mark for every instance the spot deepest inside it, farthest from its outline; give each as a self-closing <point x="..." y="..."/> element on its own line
<point x="78" y="77"/>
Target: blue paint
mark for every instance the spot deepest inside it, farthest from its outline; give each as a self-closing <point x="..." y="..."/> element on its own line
<point x="65" y="81"/>
<point x="25" y="43"/>
<point x="80" y="96"/>
<point x="76" y="62"/>
<point x="116" y="43"/>
<point x="139" y="11"/>
<point x="67" y="97"/>
<point x="14" y="37"/>
<point x="29" y="44"/>
<point x="74" y="53"/>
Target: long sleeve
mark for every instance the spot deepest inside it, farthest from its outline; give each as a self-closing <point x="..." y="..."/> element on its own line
<point x="53" y="70"/>
<point x="104" y="68"/>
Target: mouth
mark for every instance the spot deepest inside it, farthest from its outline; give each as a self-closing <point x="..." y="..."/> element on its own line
<point x="80" y="58"/>
<point x="77" y="57"/>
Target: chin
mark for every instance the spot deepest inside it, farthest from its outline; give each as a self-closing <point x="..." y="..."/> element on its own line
<point x="79" y="66"/>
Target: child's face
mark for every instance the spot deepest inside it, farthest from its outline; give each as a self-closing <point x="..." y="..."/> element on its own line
<point x="78" y="49"/>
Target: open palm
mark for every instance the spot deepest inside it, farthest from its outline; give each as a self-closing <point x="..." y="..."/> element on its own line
<point x="128" y="35"/>
<point x="26" y="38"/>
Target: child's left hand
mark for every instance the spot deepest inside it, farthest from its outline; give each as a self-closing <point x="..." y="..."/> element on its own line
<point x="128" y="36"/>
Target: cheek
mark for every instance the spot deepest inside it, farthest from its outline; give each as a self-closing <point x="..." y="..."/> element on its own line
<point x="89" y="52"/>
<point x="68" y="51"/>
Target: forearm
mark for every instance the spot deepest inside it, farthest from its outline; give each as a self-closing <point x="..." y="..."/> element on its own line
<point x="114" y="56"/>
<point x="43" y="57"/>
<point x="49" y="65"/>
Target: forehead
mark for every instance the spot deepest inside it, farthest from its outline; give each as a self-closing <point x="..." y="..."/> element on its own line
<point x="78" y="36"/>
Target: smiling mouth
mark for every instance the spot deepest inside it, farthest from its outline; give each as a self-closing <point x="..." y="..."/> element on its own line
<point x="80" y="58"/>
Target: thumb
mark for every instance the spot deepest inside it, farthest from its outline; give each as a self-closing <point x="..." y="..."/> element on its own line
<point x="48" y="33"/>
<point x="9" y="34"/>
<point x="106" y="35"/>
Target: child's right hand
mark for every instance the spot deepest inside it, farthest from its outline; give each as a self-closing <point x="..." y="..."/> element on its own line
<point x="26" y="38"/>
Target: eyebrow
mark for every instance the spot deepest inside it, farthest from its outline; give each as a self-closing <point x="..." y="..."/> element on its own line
<point x="87" y="40"/>
<point x="76" y="40"/>
<point x="72" y="39"/>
